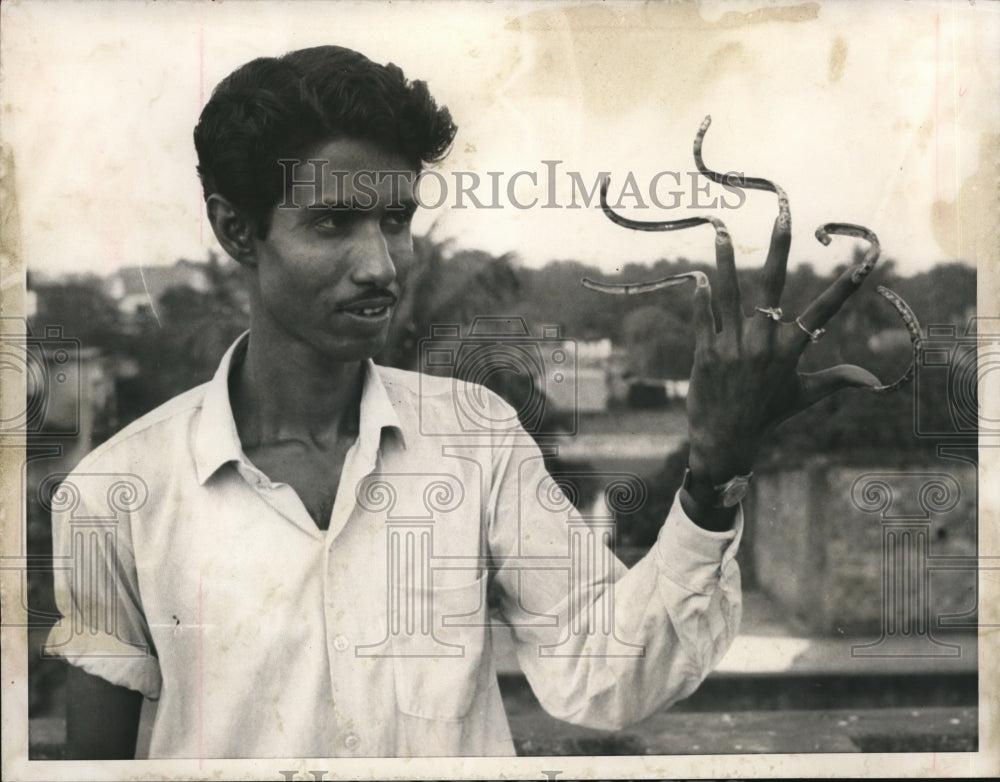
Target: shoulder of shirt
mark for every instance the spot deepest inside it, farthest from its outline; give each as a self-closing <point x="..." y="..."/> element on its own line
<point x="406" y="384"/>
<point x="169" y="413"/>
<point x="431" y="399"/>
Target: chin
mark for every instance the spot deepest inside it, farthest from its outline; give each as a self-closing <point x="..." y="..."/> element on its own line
<point x="346" y="351"/>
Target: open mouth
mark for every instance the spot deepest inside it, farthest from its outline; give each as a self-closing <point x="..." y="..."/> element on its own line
<point x="369" y="312"/>
<point x="372" y="308"/>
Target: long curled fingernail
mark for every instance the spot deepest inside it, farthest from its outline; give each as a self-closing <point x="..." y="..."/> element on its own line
<point x="858" y="232"/>
<point x="734" y="179"/>
<point x="913" y="327"/>
<point x="721" y="233"/>
<point x="632" y="288"/>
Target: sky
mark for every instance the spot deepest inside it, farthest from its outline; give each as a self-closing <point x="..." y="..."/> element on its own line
<point x="883" y="114"/>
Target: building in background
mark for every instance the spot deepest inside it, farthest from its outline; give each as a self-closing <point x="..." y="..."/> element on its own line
<point x="137" y="287"/>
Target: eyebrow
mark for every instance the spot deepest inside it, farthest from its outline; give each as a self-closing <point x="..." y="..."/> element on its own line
<point x="351" y="205"/>
<point x="405" y="204"/>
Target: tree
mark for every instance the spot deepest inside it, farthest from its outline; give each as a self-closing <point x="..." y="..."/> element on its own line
<point x="81" y="309"/>
<point x="446" y="287"/>
<point x="659" y="343"/>
<point x="182" y="347"/>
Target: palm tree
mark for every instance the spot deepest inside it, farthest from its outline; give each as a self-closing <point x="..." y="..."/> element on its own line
<point x="444" y="286"/>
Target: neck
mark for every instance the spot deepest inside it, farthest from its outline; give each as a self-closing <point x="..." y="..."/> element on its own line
<point x="288" y="392"/>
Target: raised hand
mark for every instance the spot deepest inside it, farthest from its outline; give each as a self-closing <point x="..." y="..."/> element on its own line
<point x="745" y="378"/>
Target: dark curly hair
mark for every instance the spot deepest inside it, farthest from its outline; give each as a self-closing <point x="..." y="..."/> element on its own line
<point x="282" y="107"/>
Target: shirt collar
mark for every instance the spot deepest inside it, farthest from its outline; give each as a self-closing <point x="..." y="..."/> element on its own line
<point x="217" y="442"/>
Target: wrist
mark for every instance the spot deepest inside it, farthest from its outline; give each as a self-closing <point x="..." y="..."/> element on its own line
<point x="699" y="488"/>
<point x="704" y="514"/>
<point x="711" y="505"/>
<point x="716" y="465"/>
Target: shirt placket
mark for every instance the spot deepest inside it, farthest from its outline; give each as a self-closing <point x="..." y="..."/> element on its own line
<point x="340" y="632"/>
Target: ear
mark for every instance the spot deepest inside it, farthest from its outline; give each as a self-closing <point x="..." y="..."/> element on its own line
<point x="234" y="232"/>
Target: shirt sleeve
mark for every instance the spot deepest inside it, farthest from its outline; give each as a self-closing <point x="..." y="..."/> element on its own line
<point x="102" y="629"/>
<point x="603" y="645"/>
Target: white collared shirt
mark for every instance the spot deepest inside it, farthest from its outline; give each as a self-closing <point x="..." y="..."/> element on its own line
<point x="183" y="572"/>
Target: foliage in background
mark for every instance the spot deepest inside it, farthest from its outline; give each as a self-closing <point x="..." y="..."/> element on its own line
<point x="179" y="345"/>
<point x="444" y="287"/>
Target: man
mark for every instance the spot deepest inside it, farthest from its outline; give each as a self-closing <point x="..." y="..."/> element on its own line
<point x="300" y="563"/>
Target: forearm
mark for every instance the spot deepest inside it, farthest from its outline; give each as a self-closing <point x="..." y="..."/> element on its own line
<point x="102" y="719"/>
<point x="675" y="613"/>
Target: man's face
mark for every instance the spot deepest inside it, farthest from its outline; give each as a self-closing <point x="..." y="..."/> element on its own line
<point x="327" y="271"/>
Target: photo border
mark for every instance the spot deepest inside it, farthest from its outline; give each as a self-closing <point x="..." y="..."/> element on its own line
<point x="14" y="660"/>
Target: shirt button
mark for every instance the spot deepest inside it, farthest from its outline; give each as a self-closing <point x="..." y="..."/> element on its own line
<point x="352" y="742"/>
<point x="340" y="644"/>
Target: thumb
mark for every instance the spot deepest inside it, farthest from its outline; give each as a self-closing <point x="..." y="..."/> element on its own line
<point x="817" y="385"/>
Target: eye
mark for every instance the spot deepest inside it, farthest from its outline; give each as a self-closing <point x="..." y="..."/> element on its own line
<point x="398" y="219"/>
<point x="334" y="221"/>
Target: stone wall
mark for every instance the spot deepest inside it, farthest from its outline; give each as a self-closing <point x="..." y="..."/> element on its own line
<point x="853" y="549"/>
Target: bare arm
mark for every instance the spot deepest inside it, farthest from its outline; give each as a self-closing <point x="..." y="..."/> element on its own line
<point x="102" y="719"/>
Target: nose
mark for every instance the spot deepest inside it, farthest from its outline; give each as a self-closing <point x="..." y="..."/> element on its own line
<point x="373" y="260"/>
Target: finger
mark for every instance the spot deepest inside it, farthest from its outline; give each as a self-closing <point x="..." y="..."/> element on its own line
<point x="829" y="302"/>
<point x="702" y="318"/>
<point x="818" y="385"/>
<point x="728" y="296"/>
<point x="775" y="266"/>
<point x="773" y="276"/>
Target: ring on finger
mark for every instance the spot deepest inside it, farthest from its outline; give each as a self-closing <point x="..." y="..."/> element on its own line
<point x="774" y="313"/>
<point x="814" y="335"/>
